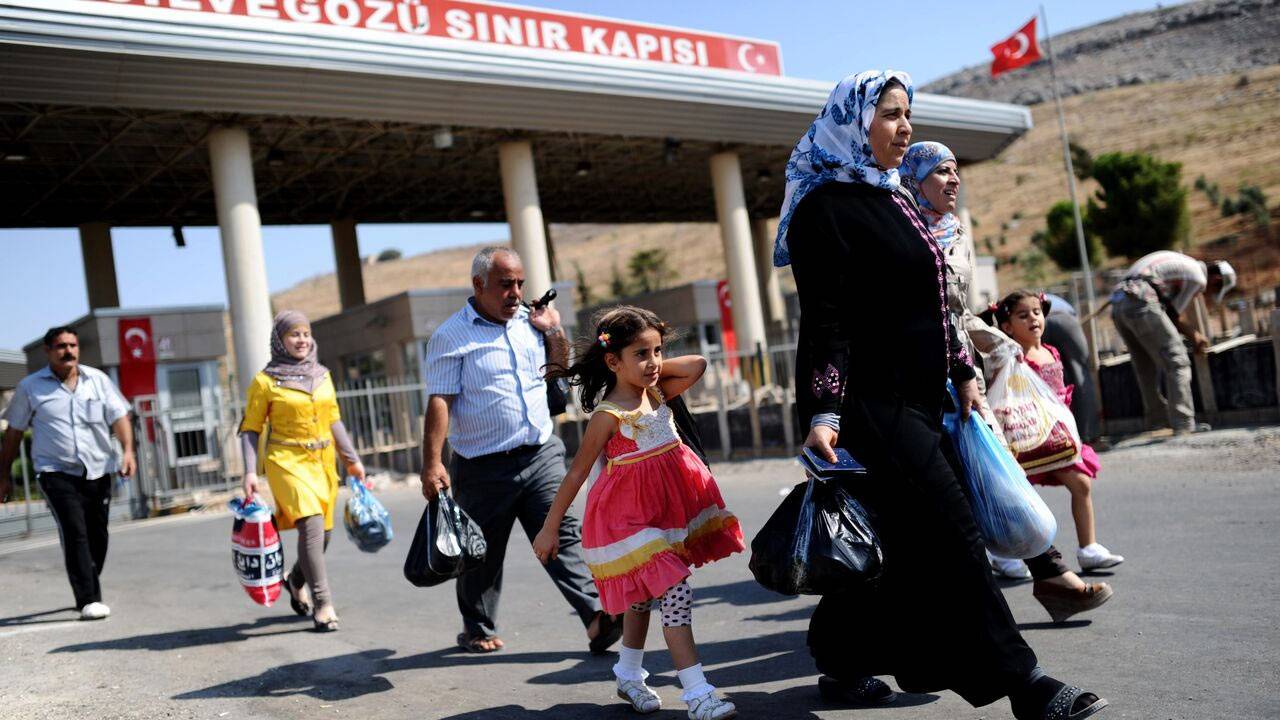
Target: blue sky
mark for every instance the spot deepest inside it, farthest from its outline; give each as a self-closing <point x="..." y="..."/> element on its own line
<point x="820" y="40"/>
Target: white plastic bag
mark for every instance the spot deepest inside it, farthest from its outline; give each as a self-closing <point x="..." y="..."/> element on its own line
<point x="1037" y="426"/>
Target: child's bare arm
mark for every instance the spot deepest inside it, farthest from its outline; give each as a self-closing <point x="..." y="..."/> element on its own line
<point x="602" y="425"/>
<point x="680" y="373"/>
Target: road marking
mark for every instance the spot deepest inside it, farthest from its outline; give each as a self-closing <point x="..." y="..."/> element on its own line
<point x="40" y="628"/>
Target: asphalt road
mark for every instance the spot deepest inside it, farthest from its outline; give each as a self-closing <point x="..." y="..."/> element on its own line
<point x="1193" y="632"/>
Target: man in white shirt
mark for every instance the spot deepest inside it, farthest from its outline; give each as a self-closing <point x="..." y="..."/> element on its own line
<point x="72" y="410"/>
<point x="1149" y="308"/>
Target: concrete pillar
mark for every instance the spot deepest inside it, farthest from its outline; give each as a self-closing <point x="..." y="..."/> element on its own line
<point x="243" y="263"/>
<point x="735" y="232"/>
<point x="346" y="259"/>
<point x="775" y="309"/>
<point x="524" y="214"/>
<point x="99" y="265"/>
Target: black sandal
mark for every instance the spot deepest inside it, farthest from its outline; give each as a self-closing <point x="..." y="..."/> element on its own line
<point x="864" y="692"/>
<point x="1061" y="705"/>
<point x="299" y="607"/>
<point x="608" y="632"/>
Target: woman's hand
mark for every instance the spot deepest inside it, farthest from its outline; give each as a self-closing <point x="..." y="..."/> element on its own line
<point x="822" y="439"/>
<point x="547" y="544"/>
<point x="356" y="470"/>
<point x="970" y="398"/>
<point x="250" y="485"/>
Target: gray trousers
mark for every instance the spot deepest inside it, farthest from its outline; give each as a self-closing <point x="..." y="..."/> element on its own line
<point x="1155" y="347"/>
<point x="1064" y="332"/>
<point x="497" y="490"/>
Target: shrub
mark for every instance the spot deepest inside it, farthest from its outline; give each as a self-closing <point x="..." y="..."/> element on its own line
<point x="1081" y="161"/>
<point x="1141" y="206"/>
<point x="1058" y="240"/>
<point x="390" y="254"/>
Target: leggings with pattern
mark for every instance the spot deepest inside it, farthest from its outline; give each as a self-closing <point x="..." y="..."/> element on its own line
<point x="676" y="605"/>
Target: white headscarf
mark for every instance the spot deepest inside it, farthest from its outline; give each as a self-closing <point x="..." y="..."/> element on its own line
<point x="836" y="147"/>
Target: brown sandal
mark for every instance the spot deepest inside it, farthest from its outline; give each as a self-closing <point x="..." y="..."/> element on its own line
<point x="1062" y="602"/>
<point x="472" y="643"/>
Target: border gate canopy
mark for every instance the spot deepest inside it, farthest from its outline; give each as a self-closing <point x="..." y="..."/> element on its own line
<point x="392" y="111"/>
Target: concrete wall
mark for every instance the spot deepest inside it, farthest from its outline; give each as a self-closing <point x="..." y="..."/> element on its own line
<point x="178" y="334"/>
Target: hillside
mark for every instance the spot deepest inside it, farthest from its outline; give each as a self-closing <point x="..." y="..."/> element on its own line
<point x="1179" y="42"/>
<point x="694" y="251"/>
<point x="1225" y="128"/>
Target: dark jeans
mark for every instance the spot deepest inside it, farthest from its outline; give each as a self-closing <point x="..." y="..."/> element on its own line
<point x="81" y="507"/>
<point x="497" y="490"/>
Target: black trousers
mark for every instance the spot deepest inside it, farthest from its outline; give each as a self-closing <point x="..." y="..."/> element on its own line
<point x="935" y="619"/>
<point x="497" y="490"/>
<point x="81" y="507"/>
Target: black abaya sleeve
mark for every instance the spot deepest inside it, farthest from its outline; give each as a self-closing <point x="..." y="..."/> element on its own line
<point x="819" y="261"/>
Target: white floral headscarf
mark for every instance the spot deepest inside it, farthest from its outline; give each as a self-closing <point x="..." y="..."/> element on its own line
<point x="836" y="147"/>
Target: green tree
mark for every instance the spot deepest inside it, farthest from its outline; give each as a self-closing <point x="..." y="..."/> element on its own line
<point x="649" y="270"/>
<point x="390" y="254"/>
<point x="1058" y="239"/>
<point x="618" y="286"/>
<point x="585" y="297"/>
<point x="1032" y="262"/>
<point x="1081" y="161"/>
<point x="1142" y="206"/>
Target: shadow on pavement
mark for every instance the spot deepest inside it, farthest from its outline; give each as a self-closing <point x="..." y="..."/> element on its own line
<point x="769" y="658"/>
<point x="30" y="618"/>
<point x="195" y="637"/>
<point x="741" y="593"/>
<point x="1050" y="625"/>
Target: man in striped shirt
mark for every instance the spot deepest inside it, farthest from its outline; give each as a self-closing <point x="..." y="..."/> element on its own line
<point x="1149" y="308"/>
<point x="488" y="393"/>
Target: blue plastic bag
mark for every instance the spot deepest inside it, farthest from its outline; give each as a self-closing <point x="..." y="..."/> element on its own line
<point x="1012" y="516"/>
<point x="368" y="523"/>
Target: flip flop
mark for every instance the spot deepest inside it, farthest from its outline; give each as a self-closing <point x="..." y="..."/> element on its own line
<point x="608" y="632"/>
<point x="471" y="643"/>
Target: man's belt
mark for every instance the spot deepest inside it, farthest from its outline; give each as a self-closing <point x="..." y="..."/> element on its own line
<point x="306" y="444"/>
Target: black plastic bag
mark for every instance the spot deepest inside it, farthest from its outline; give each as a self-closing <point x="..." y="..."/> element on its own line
<point x="447" y="544"/>
<point x="819" y="541"/>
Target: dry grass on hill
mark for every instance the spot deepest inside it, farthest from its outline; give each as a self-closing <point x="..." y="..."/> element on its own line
<point x="1227" y="131"/>
<point x="694" y="251"/>
<point x="1217" y="127"/>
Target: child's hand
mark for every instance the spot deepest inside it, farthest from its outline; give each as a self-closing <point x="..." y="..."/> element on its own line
<point x="547" y="545"/>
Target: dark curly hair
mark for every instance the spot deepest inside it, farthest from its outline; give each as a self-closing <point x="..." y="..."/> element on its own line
<point x="999" y="313"/>
<point x="615" y="328"/>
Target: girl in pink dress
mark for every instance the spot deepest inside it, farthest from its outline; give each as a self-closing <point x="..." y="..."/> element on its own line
<point x="1021" y="315"/>
<point x="653" y="512"/>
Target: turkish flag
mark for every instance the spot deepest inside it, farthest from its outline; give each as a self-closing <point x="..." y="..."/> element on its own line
<point x="1020" y="49"/>
<point x="137" y="358"/>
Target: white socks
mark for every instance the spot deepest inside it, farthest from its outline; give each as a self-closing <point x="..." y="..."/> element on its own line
<point x="694" y="683"/>
<point x="630" y="664"/>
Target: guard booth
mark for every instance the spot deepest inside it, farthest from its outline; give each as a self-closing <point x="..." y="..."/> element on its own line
<point x="170" y="364"/>
<point x="377" y="354"/>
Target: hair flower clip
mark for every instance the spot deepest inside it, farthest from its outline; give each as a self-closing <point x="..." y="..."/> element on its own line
<point x="993" y="307"/>
<point x="603" y="339"/>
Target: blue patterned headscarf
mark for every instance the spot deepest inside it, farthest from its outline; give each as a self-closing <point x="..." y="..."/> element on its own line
<point x="836" y="147"/>
<point x="921" y="159"/>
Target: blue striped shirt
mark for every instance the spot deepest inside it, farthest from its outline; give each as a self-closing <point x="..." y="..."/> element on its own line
<point x="494" y="373"/>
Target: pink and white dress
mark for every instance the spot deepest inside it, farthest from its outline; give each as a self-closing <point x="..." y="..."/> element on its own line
<point x="653" y="513"/>
<point x="1052" y="375"/>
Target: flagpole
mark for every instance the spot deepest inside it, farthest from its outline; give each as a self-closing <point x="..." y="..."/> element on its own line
<point x="1090" y="301"/>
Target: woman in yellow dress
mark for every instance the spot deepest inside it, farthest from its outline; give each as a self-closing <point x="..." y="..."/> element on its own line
<point x="293" y="403"/>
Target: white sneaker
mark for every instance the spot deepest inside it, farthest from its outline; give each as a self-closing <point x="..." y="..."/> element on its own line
<point x="642" y="697"/>
<point x="94" y="611"/>
<point x="1097" y="557"/>
<point x="1009" y="568"/>
<point x="711" y="707"/>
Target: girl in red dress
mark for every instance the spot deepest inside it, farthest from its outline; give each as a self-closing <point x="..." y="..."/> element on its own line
<point x="1021" y="315"/>
<point x="654" y="512"/>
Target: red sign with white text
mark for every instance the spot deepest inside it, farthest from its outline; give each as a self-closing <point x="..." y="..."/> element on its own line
<point x="728" y="338"/>
<point x="511" y="25"/>
<point x="137" y="358"/>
